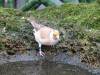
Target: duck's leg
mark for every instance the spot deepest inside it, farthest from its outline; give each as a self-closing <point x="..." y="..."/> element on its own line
<point x="40" y="51"/>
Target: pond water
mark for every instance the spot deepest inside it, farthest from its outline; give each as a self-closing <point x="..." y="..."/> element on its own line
<point x="31" y="64"/>
<point x="40" y="68"/>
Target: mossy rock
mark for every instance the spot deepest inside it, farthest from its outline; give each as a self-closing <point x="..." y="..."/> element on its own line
<point x="14" y="28"/>
<point x="78" y="22"/>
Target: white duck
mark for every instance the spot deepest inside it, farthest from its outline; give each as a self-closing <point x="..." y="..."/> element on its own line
<point x="44" y="35"/>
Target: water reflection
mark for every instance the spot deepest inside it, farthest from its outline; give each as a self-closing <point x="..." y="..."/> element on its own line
<point x="40" y="68"/>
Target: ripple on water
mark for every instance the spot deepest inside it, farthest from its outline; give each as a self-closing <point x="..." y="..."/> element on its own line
<point x="40" y="68"/>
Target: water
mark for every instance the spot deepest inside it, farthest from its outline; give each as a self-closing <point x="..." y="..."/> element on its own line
<point x="40" y="68"/>
<point x="30" y="64"/>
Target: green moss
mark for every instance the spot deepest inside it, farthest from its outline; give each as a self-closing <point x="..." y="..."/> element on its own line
<point x="83" y="14"/>
<point x="80" y="24"/>
<point x="10" y="26"/>
<point x="11" y="19"/>
<point x="98" y="1"/>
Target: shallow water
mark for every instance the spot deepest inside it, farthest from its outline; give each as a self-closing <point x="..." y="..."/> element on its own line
<point x="56" y="64"/>
<point x="40" y="68"/>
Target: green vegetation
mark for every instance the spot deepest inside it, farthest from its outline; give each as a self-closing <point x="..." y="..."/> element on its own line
<point x="10" y="19"/>
<point x="84" y="14"/>
<point x="12" y="30"/>
<point x="31" y="4"/>
<point x="80" y="24"/>
<point x="86" y="1"/>
<point x="98" y="1"/>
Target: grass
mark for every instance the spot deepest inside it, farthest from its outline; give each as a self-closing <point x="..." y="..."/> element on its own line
<point x="84" y="14"/>
<point x="80" y="24"/>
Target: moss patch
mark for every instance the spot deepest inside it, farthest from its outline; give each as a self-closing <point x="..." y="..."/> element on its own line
<point x="79" y="24"/>
<point x="83" y="14"/>
<point x="14" y="31"/>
